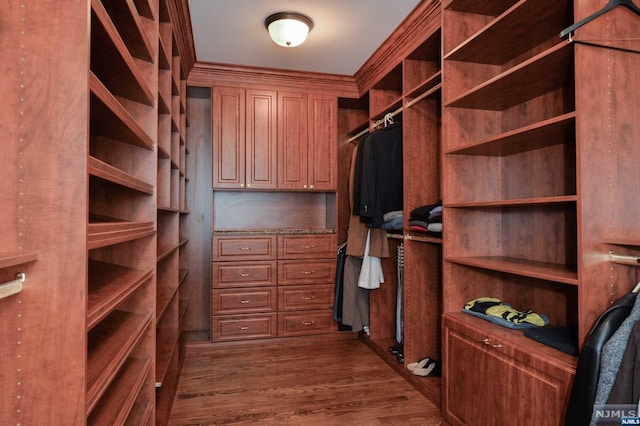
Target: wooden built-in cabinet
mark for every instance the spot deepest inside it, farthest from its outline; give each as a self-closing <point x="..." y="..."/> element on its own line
<point x="271" y="285"/>
<point x="244" y="138"/>
<point x="268" y="140"/>
<point x="525" y="171"/>
<point x="410" y="89"/>
<point x="102" y="275"/>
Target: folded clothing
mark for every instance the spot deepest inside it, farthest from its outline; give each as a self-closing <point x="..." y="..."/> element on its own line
<point x="563" y="338"/>
<point x="498" y="312"/>
<point x="423" y="212"/>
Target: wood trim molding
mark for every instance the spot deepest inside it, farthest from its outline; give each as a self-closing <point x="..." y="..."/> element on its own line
<point x="181" y="19"/>
<point x="423" y="21"/>
<point x="206" y="74"/>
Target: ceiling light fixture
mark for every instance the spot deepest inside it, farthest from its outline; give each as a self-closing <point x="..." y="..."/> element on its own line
<point x="288" y="29"/>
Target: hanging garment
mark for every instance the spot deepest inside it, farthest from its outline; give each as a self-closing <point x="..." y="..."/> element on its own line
<point x="358" y="230"/>
<point x="337" y="299"/>
<point x="611" y="357"/>
<point x="583" y="390"/>
<point x="626" y="388"/>
<point x="381" y="188"/>
<point x="355" y="300"/>
<point x="371" y="275"/>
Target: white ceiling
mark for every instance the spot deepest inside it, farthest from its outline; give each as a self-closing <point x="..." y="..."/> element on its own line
<point x="344" y="36"/>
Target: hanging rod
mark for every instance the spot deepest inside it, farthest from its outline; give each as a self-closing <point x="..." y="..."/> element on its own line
<point x="626" y="260"/>
<point x="409" y="104"/>
<point x="12" y="287"/>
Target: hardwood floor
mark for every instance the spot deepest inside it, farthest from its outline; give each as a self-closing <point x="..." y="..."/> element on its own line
<point x="299" y="382"/>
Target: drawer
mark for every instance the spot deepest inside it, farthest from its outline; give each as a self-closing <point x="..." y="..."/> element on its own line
<point x="237" y="301"/>
<point x="225" y="248"/>
<point x="307" y="246"/>
<point x="243" y="274"/>
<point x="293" y="298"/>
<point x="305" y="323"/>
<point x="292" y="272"/>
<point x="242" y="327"/>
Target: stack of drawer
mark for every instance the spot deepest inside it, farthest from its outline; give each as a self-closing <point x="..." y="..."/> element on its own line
<point x="270" y="285"/>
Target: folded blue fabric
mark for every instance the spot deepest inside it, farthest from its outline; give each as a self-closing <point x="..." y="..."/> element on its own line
<point x="503" y="322"/>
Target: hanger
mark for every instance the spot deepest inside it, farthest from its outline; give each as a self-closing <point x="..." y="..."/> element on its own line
<point x="388" y="119"/>
<point x="612" y="4"/>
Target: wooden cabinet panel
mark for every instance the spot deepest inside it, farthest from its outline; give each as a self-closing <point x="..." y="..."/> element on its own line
<point x="292" y="272"/>
<point x="307" y="247"/>
<point x="305" y="323"/>
<point x="305" y="297"/>
<point x="323" y="136"/>
<point x="292" y="140"/>
<point x="516" y="381"/>
<point x="228" y="132"/>
<point x="241" y="327"/>
<point x="243" y="301"/>
<point x="243" y="274"/>
<point x="226" y="248"/>
<point x="261" y="143"/>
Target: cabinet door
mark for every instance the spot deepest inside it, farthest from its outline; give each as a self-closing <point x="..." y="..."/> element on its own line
<point x="488" y="378"/>
<point x="323" y="136"/>
<point x="292" y="140"/>
<point x="228" y="137"/>
<point x="261" y="143"/>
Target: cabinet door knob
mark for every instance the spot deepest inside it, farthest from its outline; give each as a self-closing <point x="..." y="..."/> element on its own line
<point x="305" y="186"/>
<point x="311" y="186"/>
<point x="248" y="185"/>
<point x="242" y="185"/>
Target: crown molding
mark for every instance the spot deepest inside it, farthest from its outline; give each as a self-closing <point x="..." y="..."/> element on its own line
<point x="207" y="74"/>
<point x="422" y="22"/>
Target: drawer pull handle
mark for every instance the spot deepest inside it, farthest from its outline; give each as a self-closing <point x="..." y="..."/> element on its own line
<point x="244" y="327"/>
<point x="307" y="272"/>
<point x="244" y="248"/>
<point x="308" y="323"/>
<point x="308" y="247"/>
<point x="487" y="342"/>
<point x="308" y="298"/>
<point x="244" y="275"/>
<point x="244" y="302"/>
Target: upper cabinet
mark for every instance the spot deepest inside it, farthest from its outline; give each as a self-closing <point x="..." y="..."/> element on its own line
<point x="307" y="141"/>
<point x="244" y="138"/>
<point x="269" y="140"/>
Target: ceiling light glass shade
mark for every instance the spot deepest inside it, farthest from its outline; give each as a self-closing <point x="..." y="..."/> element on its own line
<point x="288" y="29"/>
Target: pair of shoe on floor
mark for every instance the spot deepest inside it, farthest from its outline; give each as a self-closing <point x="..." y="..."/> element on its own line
<point x="426" y="367"/>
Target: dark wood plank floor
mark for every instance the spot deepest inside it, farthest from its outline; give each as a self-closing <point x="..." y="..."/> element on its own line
<point x="297" y="382"/>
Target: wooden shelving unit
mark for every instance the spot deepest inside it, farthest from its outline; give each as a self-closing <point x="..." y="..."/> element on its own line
<point x="523" y="178"/>
<point x="411" y="92"/>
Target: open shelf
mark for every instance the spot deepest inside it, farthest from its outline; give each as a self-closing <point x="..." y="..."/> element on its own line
<point x="112" y="62"/>
<point x="524" y="26"/>
<point x="120" y="397"/>
<point x="112" y="174"/>
<point x="109" y="345"/>
<point x="110" y="285"/>
<point x="11" y="259"/>
<point x="522" y="82"/>
<point x="109" y="118"/>
<point x="130" y="27"/>
<point x="523" y="267"/>
<point x="104" y="234"/>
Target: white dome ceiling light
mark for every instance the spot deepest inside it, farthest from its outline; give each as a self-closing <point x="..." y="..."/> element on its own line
<point x="288" y="29"/>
